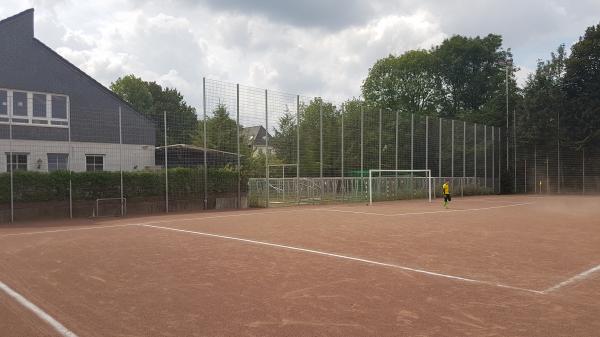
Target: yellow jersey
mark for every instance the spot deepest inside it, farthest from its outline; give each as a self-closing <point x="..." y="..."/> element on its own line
<point x="446" y="188"/>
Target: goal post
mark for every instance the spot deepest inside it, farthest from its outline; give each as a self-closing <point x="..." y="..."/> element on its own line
<point x="384" y="178"/>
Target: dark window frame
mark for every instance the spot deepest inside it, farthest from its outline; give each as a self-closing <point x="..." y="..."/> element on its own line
<point x="96" y="165"/>
<point x="55" y="164"/>
<point x="18" y="164"/>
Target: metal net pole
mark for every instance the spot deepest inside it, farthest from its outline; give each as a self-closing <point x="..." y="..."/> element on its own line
<point x="440" y="149"/>
<point x="412" y="142"/>
<point x="475" y="152"/>
<point x="499" y="160"/>
<point x="342" y="156"/>
<point x="166" y="164"/>
<point x="558" y="153"/>
<point x="493" y="160"/>
<point x="121" y="158"/>
<point x="427" y="142"/>
<point x="396" y="138"/>
<point x="515" y="146"/>
<point x="464" y="172"/>
<point x="238" y="154"/>
<point x="362" y="141"/>
<point x="485" y="156"/>
<point x="267" y="144"/>
<point x="452" y="156"/>
<point x="321" y="141"/>
<point x="69" y="159"/>
<point x="535" y="181"/>
<point x="379" y="161"/>
<point x="298" y="149"/>
<point x="11" y="163"/>
<point x="205" y="164"/>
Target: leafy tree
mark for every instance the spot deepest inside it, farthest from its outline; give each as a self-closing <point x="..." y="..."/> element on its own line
<point x="582" y="89"/>
<point x="220" y="131"/>
<point x="472" y="71"/>
<point x="404" y="83"/>
<point x="285" y="138"/>
<point x="152" y="100"/>
<point x="543" y="100"/>
<point x="134" y="91"/>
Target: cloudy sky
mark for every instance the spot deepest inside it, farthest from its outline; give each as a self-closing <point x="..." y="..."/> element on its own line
<point x="312" y="47"/>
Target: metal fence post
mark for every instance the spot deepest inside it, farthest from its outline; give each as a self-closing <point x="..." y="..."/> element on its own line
<point x="427" y="142"/>
<point x="499" y="160"/>
<point x="362" y="135"/>
<point x="559" y="180"/>
<point x="380" y="113"/>
<point x="267" y="145"/>
<point x="452" y="160"/>
<point x="298" y="148"/>
<point x="396" y="152"/>
<point x="515" y="143"/>
<point x="205" y="143"/>
<point x="464" y="173"/>
<point x="121" y="159"/>
<point x="342" y="155"/>
<point x="166" y="164"/>
<point x="412" y="142"/>
<point x="238" y="149"/>
<point x="69" y="159"/>
<point x="535" y="181"/>
<point x="321" y="142"/>
<point x="10" y="160"/>
<point x="493" y="160"/>
<point x="440" y="149"/>
<point x="485" y="156"/>
<point x="475" y="152"/>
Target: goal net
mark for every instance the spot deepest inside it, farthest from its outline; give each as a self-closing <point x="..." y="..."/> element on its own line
<point x="385" y="185"/>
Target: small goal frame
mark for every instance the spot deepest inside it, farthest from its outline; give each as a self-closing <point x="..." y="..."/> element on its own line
<point x="427" y="176"/>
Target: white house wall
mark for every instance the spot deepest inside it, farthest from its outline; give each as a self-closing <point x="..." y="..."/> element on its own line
<point x="134" y="157"/>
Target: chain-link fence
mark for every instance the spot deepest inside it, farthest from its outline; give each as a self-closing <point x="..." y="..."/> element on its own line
<point x="250" y="147"/>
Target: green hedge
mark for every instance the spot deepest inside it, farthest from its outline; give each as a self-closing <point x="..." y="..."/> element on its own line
<point x="184" y="183"/>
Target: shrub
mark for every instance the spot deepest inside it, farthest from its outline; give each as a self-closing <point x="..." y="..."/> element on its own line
<point x="184" y="183"/>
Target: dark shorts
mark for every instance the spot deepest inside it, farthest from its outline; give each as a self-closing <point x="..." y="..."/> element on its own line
<point x="447" y="197"/>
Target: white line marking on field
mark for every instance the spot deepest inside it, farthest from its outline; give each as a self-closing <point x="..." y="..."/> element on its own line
<point x="66" y="230"/>
<point x="512" y="202"/>
<point x="152" y="222"/>
<point x="241" y="214"/>
<point x="429" y="212"/>
<point x="317" y="252"/>
<point x="579" y="277"/>
<point x="37" y="311"/>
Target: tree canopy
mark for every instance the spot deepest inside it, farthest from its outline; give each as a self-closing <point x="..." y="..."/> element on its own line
<point x="152" y="100"/>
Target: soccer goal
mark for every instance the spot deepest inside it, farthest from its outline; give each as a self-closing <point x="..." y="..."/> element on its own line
<point x="399" y="184"/>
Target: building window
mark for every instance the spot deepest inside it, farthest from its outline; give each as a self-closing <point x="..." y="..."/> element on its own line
<point x="3" y="102"/>
<point x="94" y="162"/>
<point x="59" y="107"/>
<point x="34" y="108"/>
<point x="18" y="162"/>
<point x="39" y="105"/>
<point x="19" y="103"/>
<point x="57" y="162"/>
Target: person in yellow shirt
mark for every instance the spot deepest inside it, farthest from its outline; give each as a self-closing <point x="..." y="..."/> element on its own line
<point x="446" y="193"/>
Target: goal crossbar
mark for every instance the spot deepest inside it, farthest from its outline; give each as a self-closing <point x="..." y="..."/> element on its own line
<point x="375" y="171"/>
